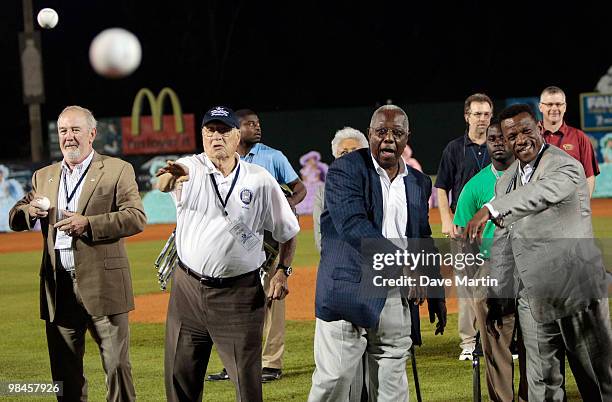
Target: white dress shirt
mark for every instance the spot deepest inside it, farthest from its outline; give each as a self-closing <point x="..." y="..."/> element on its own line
<point x="203" y="240"/>
<point x="395" y="210"/>
<point x="68" y="181"/>
<point x="527" y="171"/>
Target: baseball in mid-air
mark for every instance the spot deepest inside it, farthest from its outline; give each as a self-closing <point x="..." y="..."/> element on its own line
<point x="115" y="53"/>
<point x="42" y="203"/>
<point x="47" y="18"/>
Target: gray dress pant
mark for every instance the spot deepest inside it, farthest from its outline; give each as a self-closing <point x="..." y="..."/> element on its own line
<point x="340" y="345"/>
<point x="584" y="337"/>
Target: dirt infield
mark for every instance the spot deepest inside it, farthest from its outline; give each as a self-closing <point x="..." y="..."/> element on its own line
<point x="152" y="308"/>
<point x="31" y="241"/>
<point x="300" y="302"/>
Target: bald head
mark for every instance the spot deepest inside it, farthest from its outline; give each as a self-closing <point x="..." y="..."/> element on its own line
<point x="388" y="135"/>
<point x="391" y="109"/>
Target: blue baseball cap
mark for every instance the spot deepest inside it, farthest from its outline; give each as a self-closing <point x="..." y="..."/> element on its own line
<point x="223" y="114"/>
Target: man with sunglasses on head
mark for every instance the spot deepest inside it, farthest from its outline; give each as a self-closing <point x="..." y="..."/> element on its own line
<point x="223" y="206"/>
<point x="462" y="158"/>
<point x="371" y="195"/>
<point x="558" y="133"/>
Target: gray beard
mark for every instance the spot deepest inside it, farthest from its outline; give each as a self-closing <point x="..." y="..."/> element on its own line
<point x="73" y="156"/>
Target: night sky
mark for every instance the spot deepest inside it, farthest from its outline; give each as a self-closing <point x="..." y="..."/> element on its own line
<point x="294" y="55"/>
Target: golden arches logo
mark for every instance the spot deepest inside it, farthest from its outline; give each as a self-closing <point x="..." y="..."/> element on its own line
<point x="157" y="109"/>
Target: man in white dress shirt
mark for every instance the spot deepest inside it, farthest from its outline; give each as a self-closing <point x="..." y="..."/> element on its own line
<point x="223" y="206"/>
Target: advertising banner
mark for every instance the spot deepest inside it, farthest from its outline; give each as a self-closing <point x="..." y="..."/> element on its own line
<point x="596" y="111"/>
<point x="157" y="133"/>
<point x="602" y="145"/>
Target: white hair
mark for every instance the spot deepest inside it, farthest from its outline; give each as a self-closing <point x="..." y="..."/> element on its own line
<point x="345" y="133"/>
<point x="89" y="117"/>
<point x="390" y="107"/>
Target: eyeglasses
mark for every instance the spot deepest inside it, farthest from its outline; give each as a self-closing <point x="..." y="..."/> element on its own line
<point x="382" y="132"/>
<point x="223" y="131"/>
<point x="478" y="115"/>
<point x="551" y="104"/>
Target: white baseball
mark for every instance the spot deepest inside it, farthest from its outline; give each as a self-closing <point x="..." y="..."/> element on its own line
<point x="47" y="18"/>
<point x="115" y="53"/>
<point x="42" y="203"/>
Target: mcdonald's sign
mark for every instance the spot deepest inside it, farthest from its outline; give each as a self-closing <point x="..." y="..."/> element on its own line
<point x="157" y="133"/>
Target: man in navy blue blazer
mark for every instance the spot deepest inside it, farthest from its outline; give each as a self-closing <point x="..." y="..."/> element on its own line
<point x="369" y="194"/>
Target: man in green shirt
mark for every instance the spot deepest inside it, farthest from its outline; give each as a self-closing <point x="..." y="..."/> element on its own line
<point x="480" y="189"/>
<point x="477" y="192"/>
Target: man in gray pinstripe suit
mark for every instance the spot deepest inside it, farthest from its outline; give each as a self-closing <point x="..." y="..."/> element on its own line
<point x="544" y="251"/>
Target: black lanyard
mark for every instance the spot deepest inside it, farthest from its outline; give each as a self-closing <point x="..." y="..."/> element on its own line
<point x="512" y="184"/>
<point x="71" y="195"/>
<point x="479" y="162"/>
<point x="214" y="182"/>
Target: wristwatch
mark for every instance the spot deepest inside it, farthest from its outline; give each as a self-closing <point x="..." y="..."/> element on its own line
<point x="286" y="270"/>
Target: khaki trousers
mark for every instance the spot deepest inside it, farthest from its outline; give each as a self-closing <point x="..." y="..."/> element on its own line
<point x="498" y="357"/>
<point x="499" y="366"/>
<point x="466" y="324"/>
<point x="274" y="328"/>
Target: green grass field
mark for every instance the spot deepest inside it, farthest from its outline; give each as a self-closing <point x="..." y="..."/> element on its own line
<point x="23" y="350"/>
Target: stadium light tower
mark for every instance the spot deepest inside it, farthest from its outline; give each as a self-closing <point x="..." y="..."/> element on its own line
<point x="32" y="77"/>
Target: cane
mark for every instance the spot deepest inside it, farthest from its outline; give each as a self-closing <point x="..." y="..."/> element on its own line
<point x="476" y="371"/>
<point x="417" y="387"/>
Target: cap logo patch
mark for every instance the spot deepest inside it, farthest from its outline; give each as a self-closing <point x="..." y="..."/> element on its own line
<point x="219" y="111"/>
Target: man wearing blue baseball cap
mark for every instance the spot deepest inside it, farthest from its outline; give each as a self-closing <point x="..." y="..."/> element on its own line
<point x="223" y="206"/>
<point x="252" y="150"/>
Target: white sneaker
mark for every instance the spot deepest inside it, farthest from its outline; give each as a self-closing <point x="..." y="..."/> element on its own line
<point x="466" y="354"/>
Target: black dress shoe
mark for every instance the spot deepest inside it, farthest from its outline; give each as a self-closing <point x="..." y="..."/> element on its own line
<point x="270" y="374"/>
<point x="218" y="377"/>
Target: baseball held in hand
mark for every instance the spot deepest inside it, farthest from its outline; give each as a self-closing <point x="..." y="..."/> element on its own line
<point x="47" y="18"/>
<point x="42" y="203"/>
<point x="115" y="53"/>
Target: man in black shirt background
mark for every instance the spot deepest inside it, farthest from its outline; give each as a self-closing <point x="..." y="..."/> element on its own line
<point x="462" y="158"/>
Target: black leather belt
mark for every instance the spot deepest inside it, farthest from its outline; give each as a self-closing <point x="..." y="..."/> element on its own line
<point x="214" y="282"/>
<point x="70" y="273"/>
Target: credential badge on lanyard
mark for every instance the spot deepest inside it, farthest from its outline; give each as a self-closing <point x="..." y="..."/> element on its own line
<point x="239" y="231"/>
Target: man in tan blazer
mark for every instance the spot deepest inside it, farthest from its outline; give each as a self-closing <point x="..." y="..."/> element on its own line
<point x="85" y="278"/>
